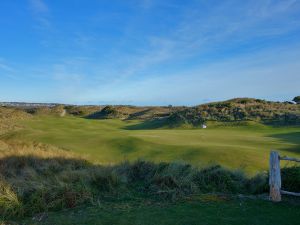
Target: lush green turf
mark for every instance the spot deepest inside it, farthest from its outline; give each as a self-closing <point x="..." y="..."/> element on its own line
<point x="110" y="141"/>
<point x="207" y="210"/>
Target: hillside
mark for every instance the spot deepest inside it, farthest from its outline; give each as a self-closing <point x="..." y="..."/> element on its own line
<point x="238" y="109"/>
<point x="9" y="118"/>
<point x="131" y="112"/>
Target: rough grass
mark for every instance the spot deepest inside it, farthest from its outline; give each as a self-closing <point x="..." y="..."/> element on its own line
<point x="9" y="118"/>
<point x="110" y="141"/>
<point x="37" y="178"/>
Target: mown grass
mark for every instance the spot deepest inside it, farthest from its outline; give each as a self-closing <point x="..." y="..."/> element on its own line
<point x="233" y="145"/>
<point x="205" y="209"/>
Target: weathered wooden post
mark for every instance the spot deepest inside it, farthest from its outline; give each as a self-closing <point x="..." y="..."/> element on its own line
<point x="275" y="177"/>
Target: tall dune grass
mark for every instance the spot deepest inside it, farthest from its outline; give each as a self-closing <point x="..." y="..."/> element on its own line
<point x="37" y="178"/>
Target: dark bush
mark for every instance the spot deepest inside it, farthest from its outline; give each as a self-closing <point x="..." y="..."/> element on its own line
<point x="291" y="178"/>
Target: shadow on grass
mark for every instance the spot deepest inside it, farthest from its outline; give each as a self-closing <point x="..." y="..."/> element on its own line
<point x="138" y="114"/>
<point x="147" y="125"/>
<point x="291" y="137"/>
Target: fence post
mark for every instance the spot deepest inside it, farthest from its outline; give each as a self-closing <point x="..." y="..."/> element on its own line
<point x="275" y="177"/>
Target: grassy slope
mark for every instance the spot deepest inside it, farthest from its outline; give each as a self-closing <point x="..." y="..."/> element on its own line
<point x="108" y="141"/>
<point x="207" y="210"/>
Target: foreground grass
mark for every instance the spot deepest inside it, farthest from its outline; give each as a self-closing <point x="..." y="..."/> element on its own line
<point x="206" y="210"/>
<point x="112" y="141"/>
<point x="38" y="179"/>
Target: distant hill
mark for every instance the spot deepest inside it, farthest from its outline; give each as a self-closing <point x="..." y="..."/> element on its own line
<point x="132" y="112"/>
<point x="238" y="109"/>
<point x="27" y="104"/>
<point x="242" y="109"/>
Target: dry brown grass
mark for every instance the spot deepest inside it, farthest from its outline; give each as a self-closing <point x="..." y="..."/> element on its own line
<point x="9" y="118"/>
<point x="36" y="177"/>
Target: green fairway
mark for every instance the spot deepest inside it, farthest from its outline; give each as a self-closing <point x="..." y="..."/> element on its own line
<point x="110" y="141"/>
<point x="213" y="211"/>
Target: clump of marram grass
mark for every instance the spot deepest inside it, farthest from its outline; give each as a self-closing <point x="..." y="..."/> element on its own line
<point x="9" y="202"/>
<point x="176" y="179"/>
<point x="41" y="180"/>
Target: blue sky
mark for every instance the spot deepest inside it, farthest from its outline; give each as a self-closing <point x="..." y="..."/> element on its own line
<point x="148" y="52"/>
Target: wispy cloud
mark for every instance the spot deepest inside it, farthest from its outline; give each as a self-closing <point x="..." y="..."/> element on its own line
<point x="164" y="51"/>
<point x="39" y="6"/>
<point x="199" y="32"/>
<point x="258" y="75"/>
<point x="40" y="11"/>
<point x="146" y="4"/>
<point x="6" y="69"/>
<point x="197" y="35"/>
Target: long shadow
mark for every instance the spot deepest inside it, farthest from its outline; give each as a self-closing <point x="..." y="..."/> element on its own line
<point x="291" y="137"/>
<point x="95" y="115"/>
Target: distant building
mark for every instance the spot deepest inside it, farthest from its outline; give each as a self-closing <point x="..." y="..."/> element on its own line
<point x="204" y="126"/>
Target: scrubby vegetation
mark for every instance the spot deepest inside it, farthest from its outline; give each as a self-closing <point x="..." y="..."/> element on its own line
<point x="131" y="112"/>
<point x="81" y="110"/>
<point x="9" y="117"/>
<point x="240" y="109"/>
<point x="108" y="112"/>
<point x="36" y="178"/>
<point x="251" y="109"/>
<point x="297" y="99"/>
<point x="186" y="117"/>
<point x="291" y="178"/>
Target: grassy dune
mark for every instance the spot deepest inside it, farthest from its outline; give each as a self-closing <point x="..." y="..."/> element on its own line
<point x="243" y="146"/>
